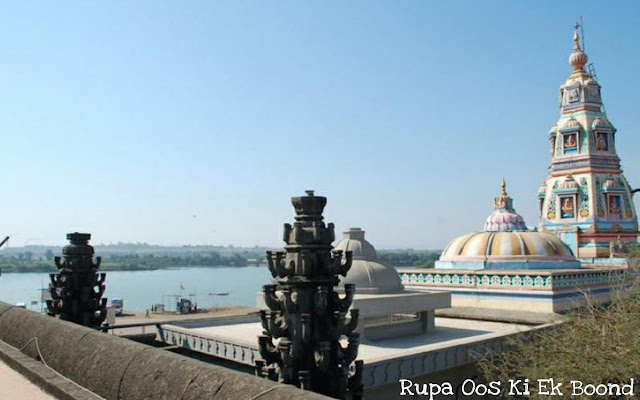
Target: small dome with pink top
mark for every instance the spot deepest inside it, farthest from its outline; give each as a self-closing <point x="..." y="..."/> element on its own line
<point x="504" y="218"/>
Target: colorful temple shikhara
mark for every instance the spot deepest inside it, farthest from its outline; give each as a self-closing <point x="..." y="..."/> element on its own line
<point x="586" y="200"/>
<point x="587" y="222"/>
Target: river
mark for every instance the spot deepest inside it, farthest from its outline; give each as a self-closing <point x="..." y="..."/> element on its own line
<point x="140" y="289"/>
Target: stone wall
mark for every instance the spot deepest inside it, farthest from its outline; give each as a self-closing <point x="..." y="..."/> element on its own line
<point x="119" y="369"/>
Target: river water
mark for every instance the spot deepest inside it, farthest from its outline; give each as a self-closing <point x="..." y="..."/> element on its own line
<point x="140" y="289"/>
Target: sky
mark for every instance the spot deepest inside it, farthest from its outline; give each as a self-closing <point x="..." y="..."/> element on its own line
<point x="195" y="122"/>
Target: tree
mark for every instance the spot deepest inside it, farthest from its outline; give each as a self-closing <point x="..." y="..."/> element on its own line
<point x="48" y="255"/>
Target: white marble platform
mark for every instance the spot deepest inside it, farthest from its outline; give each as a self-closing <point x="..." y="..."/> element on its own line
<point x="452" y="343"/>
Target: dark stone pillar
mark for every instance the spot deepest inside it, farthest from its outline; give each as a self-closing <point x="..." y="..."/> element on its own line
<point x="77" y="289"/>
<point x="306" y="314"/>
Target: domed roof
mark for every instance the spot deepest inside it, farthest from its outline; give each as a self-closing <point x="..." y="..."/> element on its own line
<point x="571" y="123"/>
<point x="504" y="216"/>
<point x="507" y="246"/>
<point x="601" y="122"/>
<point x="369" y="276"/>
<point x="353" y="240"/>
<point x="569" y="183"/>
<point x="543" y="188"/>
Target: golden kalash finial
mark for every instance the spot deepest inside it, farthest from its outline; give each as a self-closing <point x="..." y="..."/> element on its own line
<point x="576" y="37"/>
<point x="578" y="58"/>
<point x="503" y="201"/>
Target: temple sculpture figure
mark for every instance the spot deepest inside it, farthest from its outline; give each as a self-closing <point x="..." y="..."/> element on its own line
<point x="585" y="200"/>
<point x="307" y="318"/>
<point x="77" y="289"/>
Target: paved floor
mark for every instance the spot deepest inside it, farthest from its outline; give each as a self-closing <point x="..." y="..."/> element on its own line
<point x="169" y="318"/>
<point x="448" y="332"/>
<point x="14" y="386"/>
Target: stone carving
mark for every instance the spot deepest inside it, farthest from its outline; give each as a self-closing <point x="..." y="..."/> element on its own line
<point x="306" y="314"/>
<point x="77" y="289"/>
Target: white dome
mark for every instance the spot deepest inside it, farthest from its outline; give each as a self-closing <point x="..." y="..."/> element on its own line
<point x="353" y="240"/>
<point x="369" y="276"/>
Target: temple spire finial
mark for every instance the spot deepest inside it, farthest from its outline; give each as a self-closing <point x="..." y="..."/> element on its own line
<point x="578" y="58"/>
<point x="503" y="202"/>
<point x="576" y="37"/>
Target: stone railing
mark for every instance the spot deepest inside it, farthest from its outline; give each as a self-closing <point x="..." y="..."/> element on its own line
<point x="518" y="279"/>
<point x="119" y="369"/>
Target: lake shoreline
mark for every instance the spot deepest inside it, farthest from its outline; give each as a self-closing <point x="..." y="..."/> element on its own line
<point x="140" y="290"/>
<point x="53" y="269"/>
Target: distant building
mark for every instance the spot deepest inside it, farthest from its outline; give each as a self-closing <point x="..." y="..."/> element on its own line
<point x="585" y="199"/>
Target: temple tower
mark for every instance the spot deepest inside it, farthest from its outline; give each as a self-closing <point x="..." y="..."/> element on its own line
<point x="585" y="199"/>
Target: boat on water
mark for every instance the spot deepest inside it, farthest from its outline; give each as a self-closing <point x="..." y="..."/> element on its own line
<point x="218" y="294"/>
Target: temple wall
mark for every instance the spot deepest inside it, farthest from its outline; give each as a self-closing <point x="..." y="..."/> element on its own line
<point x="119" y="369"/>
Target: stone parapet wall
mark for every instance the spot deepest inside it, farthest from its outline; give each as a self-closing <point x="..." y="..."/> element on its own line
<point x="526" y="290"/>
<point x="547" y="280"/>
<point x="118" y="369"/>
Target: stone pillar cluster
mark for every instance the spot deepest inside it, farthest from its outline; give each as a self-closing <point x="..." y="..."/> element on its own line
<point x="307" y="319"/>
<point x="77" y="289"/>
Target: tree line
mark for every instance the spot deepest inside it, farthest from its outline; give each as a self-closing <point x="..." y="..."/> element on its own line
<point x="27" y="261"/>
<point x="409" y="258"/>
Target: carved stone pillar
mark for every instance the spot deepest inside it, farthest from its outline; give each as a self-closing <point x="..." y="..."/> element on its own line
<point x="306" y="314"/>
<point x="77" y="289"/>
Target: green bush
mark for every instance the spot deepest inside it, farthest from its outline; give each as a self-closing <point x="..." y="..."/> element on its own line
<point x="598" y="344"/>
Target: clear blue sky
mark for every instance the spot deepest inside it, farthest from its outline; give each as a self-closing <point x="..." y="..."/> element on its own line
<point x="126" y="119"/>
